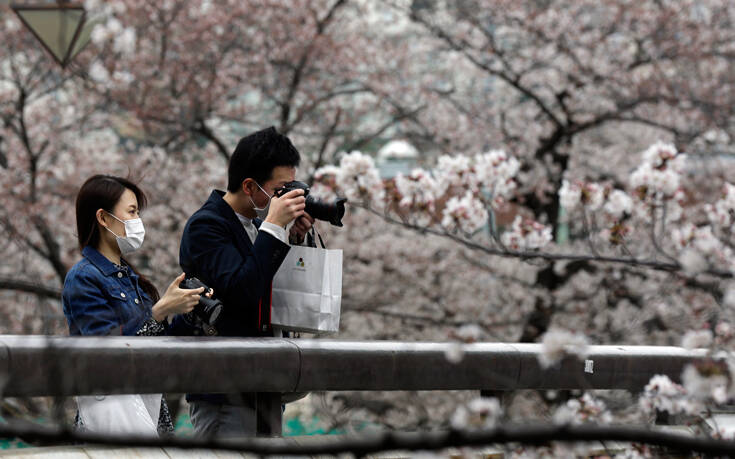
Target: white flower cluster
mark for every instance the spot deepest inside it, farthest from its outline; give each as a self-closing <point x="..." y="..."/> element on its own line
<point x="722" y="213"/>
<point x="593" y="196"/>
<point x="325" y="182"/>
<point x="495" y="171"/>
<point x="692" y="261"/>
<point x="618" y="203"/>
<point x="125" y="42"/>
<point x="480" y="413"/>
<point x="99" y="73"/>
<point x="723" y="330"/>
<point x="703" y="387"/>
<point x="454" y="352"/>
<point x="716" y="136"/>
<point x="694" y="339"/>
<point x="123" y="38"/>
<point x="103" y="145"/>
<point x="698" y="246"/>
<point x="636" y="451"/>
<point x="322" y="191"/>
<point x="453" y="188"/>
<point x="700" y="238"/>
<point x="526" y="234"/>
<point x="201" y="9"/>
<point x="11" y="25"/>
<point x="105" y="7"/>
<point x="659" y="176"/>
<point x="469" y="333"/>
<point x="8" y="91"/>
<point x="575" y="194"/>
<point x="570" y="195"/>
<point x="466" y="213"/>
<point x="418" y="190"/>
<point x="325" y="171"/>
<point x="664" y="395"/>
<point x="581" y="410"/>
<point x="92" y="5"/>
<point x="558" y="343"/>
<point x="729" y="298"/>
<point x="358" y="178"/>
<point x="454" y="171"/>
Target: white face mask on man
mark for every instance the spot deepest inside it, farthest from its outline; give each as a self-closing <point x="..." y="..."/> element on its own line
<point x="262" y="212"/>
<point x="134" y="235"/>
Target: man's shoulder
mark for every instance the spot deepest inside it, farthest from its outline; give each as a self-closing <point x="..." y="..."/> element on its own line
<point x="211" y="212"/>
<point x="206" y="213"/>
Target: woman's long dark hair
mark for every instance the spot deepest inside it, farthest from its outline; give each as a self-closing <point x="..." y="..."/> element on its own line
<point x="103" y="192"/>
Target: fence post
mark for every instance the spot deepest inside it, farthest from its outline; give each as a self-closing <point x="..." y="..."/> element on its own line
<point x="269" y="413"/>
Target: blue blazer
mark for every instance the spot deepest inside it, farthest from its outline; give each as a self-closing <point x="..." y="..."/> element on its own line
<point x="99" y="298"/>
<point x="216" y="249"/>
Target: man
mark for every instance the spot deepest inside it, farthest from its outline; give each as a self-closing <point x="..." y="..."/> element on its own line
<point x="235" y="243"/>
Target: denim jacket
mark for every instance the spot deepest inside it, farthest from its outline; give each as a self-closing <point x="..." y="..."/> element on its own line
<point x="100" y="298"/>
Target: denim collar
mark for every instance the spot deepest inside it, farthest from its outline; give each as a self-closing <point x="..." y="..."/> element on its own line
<point x="107" y="267"/>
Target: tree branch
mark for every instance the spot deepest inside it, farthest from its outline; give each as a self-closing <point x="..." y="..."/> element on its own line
<point x="202" y="128"/>
<point x="528" y="255"/>
<point x="7" y="283"/>
<point x="321" y="25"/>
<point x="53" y="250"/>
<point x="513" y="80"/>
<point x="325" y="142"/>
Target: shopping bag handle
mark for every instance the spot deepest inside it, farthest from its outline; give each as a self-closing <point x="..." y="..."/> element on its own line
<point x="310" y="238"/>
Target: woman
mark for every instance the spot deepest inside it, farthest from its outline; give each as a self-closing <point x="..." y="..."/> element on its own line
<point x="103" y="293"/>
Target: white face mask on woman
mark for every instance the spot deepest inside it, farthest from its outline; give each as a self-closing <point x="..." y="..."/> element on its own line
<point x="134" y="235"/>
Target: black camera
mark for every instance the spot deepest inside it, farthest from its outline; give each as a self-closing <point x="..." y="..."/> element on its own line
<point x="208" y="309"/>
<point x="318" y="209"/>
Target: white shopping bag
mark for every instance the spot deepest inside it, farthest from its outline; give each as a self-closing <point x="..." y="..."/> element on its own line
<point x="131" y="414"/>
<point x="307" y="290"/>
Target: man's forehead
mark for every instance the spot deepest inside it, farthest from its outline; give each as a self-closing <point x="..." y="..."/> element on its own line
<point x="283" y="174"/>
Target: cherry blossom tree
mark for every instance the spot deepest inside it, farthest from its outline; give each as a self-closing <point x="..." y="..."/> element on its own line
<point x="560" y="195"/>
<point x="573" y="89"/>
<point x="215" y="70"/>
<point x="164" y="87"/>
<point x="40" y="129"/>
<point x="643" y="264"/>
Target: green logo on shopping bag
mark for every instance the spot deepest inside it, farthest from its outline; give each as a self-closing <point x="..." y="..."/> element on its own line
<point x="300" y="263"/>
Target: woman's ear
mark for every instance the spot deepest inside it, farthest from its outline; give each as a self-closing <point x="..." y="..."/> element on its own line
<point x="100" y="215"/>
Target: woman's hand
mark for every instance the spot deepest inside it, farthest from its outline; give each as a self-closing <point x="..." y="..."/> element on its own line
<point x="177" y="300"/>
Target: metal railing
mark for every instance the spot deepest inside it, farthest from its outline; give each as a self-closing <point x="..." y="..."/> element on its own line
<point x="63" y="366"/>
<point x="44" y="365"/>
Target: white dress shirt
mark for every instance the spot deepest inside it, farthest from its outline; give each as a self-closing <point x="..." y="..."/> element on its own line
<point x="275" y="230"/>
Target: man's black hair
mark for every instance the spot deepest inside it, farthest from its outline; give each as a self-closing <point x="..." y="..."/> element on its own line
<point x="257" y="155"/>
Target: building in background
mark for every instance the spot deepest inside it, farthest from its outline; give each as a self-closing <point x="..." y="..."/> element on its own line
<point x="396" y="156"/>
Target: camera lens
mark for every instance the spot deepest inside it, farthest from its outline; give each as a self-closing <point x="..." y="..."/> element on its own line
<point x="320" y="210"/>
<point x="208" y="309"/>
